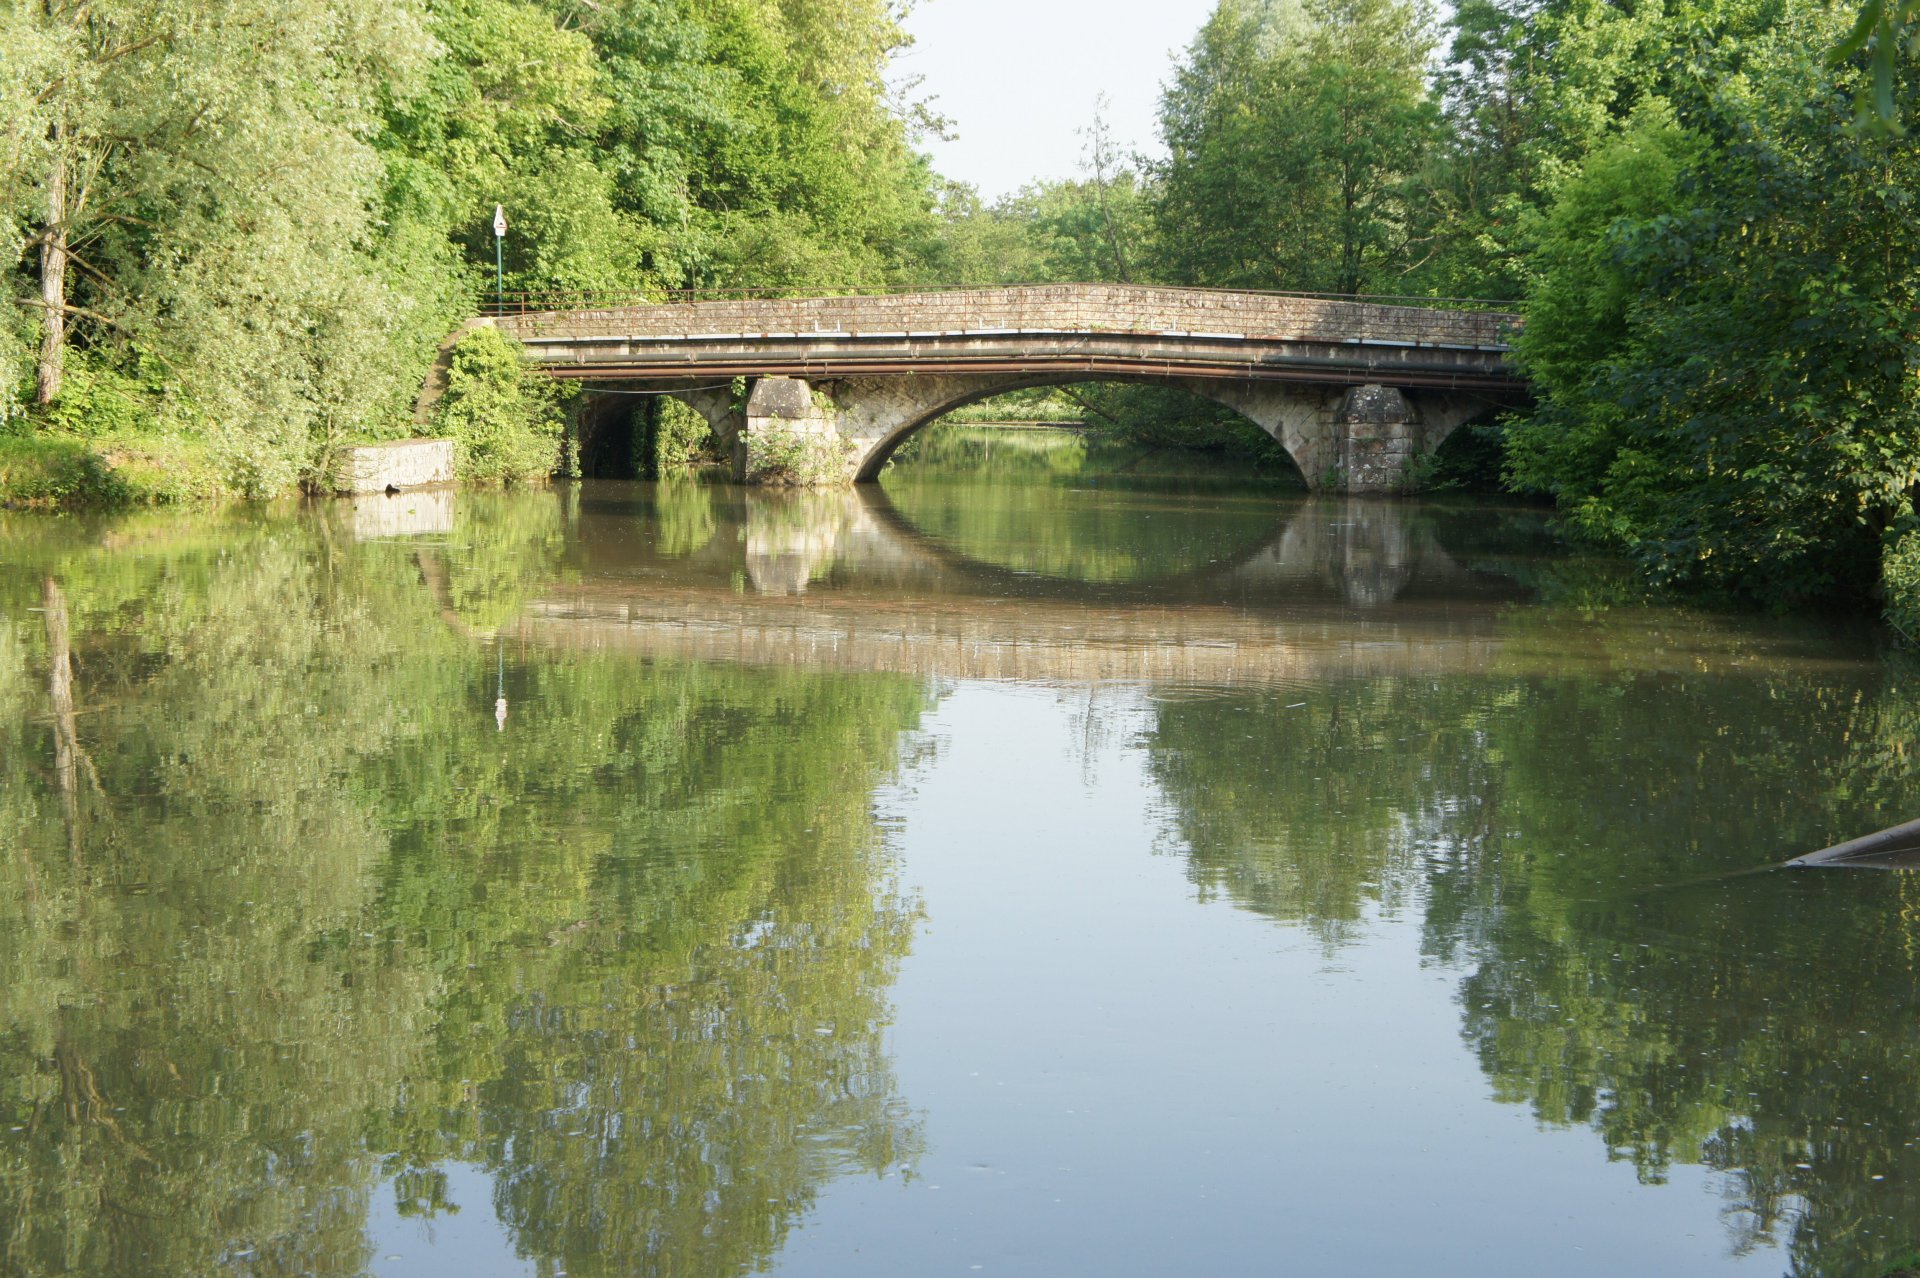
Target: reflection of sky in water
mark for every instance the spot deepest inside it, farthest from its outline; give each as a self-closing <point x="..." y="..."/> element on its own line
<point x="470" y="1243"/>
<point x="1120" y="1079"/>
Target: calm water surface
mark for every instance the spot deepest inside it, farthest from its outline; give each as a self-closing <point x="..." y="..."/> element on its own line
<point x="1043" y="866"/>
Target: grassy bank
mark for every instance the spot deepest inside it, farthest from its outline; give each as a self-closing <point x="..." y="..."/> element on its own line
<point x="52" y="470"/>
<point x="506" y="422"/>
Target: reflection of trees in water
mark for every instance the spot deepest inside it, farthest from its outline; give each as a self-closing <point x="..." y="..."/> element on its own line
<point x="1761" y="1026"/>
<point x="1298" y="802"/>
<point x="325" y="923"/>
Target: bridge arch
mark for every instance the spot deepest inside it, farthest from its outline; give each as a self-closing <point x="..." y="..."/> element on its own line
<point x="1333" y="434"/>
<point x="879" y="424"/>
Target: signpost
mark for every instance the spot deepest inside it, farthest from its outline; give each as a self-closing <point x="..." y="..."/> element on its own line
<point x="499" y="258"/>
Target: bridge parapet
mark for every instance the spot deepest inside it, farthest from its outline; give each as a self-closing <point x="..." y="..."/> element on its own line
<point x="1050" y="308"/>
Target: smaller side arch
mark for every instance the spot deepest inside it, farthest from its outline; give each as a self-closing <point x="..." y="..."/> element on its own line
<point x="615" y="424"/>
<point x="724" y="415"/>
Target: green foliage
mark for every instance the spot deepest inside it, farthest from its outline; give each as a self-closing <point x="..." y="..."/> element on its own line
<point x="505" y="420"/>
<point x="1296" y="134"/>
<point x="682" y="438"/>
<point x="279" y="210"/>
<point x="1150" y="416"/>
<point x="786" y="455"/>
<point x="221" y="224"/>
<point x="1579" y="301"/>
<point x="1900" y="585"/>
<point x="57" y="471"/>
<point x="47" y="472"/>
<point x="1883" y="29"/>
<point x="100" y="399"/>
<point x="1469" y="460"/>
<point x="1051" y="404"/>
<point x="1727" y="367"/>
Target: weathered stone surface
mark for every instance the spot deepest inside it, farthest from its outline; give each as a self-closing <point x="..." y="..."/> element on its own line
<point x="1096" y="308"/>
<point x="418" y="514"/>
<point x="1378" y="440"/>
<point x="793" y="437"/>
<point x="397" y="466"/>
<point x="1375" y="406"/>
<point x="1356" y="391"/>
<point x="785" y="397"/>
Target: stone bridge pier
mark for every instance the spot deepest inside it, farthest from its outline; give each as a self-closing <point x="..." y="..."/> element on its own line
<point x="1366" y="439"/>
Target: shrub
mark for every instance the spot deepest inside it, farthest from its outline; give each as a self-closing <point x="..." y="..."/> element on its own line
<point x="780" y="454"/>
<point x="682" y="439"/>
<point x="505" y="420"/>
<point x="44" y="472"/>
<point x="1900" y="582"/>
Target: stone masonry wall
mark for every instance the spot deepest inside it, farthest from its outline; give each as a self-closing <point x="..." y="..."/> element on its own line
<point x="1095" y="308"/>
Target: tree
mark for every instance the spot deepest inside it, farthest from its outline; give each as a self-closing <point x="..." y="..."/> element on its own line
<point x="1741" y="417"/>
<point x="1294" y="139"/>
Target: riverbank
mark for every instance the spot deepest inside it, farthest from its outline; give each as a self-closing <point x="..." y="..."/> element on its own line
<point x="56" y="471"/>
<point x="507" y="425"/>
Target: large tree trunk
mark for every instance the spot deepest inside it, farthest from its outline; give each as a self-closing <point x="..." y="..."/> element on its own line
<point x="53" y="280"/>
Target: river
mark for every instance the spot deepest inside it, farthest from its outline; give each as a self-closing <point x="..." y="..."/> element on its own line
<point x="1046" y="864"/>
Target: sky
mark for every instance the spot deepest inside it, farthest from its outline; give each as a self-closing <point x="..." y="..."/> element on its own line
<point x="1016" y="78"/>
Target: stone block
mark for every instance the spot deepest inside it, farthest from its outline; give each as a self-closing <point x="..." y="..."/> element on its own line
<point x="785" y="397"/>
<point x="1375" y="406"/>
<point x="398" y="466"/>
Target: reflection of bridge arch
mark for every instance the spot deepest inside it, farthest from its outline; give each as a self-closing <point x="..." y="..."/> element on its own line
<point x="1342" y="551"/>
<point x="1365" y="553"/>
<point x="1337" y="587"/>
<point x="991" y="577"/>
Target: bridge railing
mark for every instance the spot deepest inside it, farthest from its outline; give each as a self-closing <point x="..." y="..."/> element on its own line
<point x="547" y="301"/>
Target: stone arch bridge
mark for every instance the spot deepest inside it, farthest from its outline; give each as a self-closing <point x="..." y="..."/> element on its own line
<point x="1356" y="391"/>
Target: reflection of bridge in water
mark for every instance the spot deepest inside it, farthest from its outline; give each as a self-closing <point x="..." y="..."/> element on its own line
<point x="1325" y="550"/>
<point x="841" y="580"/>
<point x="1320" y="589"/>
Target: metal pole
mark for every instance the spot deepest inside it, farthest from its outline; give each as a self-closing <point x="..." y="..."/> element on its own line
<point x="499" y="259"/>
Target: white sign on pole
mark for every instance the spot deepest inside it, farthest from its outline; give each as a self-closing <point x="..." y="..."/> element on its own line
<point x="499" y="220"/>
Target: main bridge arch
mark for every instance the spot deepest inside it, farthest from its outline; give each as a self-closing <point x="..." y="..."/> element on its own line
<point x="1345" y="438"/>
<point x="1354" y="390"/>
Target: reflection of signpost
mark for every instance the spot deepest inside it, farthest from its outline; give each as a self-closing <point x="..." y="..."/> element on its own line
<point x="499" y="258"/>
<point x="500" y="698"/>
